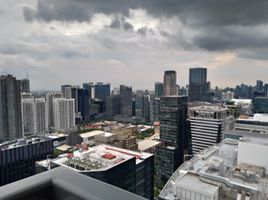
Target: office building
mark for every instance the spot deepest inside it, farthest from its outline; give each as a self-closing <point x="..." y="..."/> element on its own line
<point x="258" y="123"/>
<point x="83" y="103"/>
<point x="66" y="91"/>
<point x="142" y="107"/>
<point x="34" y="116"/>
<point x="49" y="109"/>
<point x="159" y="89"/>
<point x="90" y="88"/>
<point x="126" y="100"/>
<point x="128" y="170"/>
<point x="198" y="85"/>
<point x="18" y="157"/>
<point x="112" y="106"/>
<point x="259" y="85"/>
<point x="173" y="134"/>
<point x="173" y="114"/>
<point x="234" y="169"/>
<point x="170" y="82"/>
<point x="154" y="110"/>
<point x="260" y="105"/>
<point x="63" y="113"/>
<point x="102" y="90"/>
<point x="207" y="124"/>
<point x="265" y="88"/>
<point x="10" y="108"/>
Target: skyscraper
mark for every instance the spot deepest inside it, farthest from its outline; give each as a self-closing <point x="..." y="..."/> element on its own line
<point x="34" y="120"/>
<point x="142" y="107"/>
<point x="207" y="124"/>
<point x="49" y="109"/>
<point x="83" y="103"/>
<point x="126" y="100"/>
<point x="259" y="85"/>
<point x="102" y="90"/>
<point x="66" y="91"/>
<point x="10" y="108"/>
<point x="173" y="114"/>
<point x="28" y="116"/>
<point x="63" y="113"/>
<point x="198" y="86"/>
<point x="89" y="87"/>
<point x="158" y="89"/>
<point x="170" y="82"/>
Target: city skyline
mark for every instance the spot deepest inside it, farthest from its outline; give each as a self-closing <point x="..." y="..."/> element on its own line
<point x="133" y="42"/>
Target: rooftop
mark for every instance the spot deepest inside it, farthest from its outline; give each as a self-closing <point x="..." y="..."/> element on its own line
<point x="241" y="101"/>
<point x="22" y="142"/>
<point x="231" y="165"/>
<point x="92" y="134"/>
<point x="257" y="117"/>
<point x="147" y="144"/>
<point x="210" y="108"/>
<point x="98" y="158"/>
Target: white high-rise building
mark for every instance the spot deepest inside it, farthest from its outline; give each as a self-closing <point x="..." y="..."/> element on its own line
<point x="33" y="116"/>
<point x="207" y="124"/>
<point x="63" y="113"/>
<point x="40" y="116"/>
<point x="49" y="108"/>
<point x="28" y="116"/>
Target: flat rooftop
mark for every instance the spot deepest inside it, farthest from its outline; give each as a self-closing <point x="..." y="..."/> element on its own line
<point x="210" y="108"/>
<point x="219" y="164"/>
<point x="256" y="118"/>
<point x="92" y="134"/>
<point x="22" y="142"/>
<point x="98" y="158"/>
<point x="147" y="144"/>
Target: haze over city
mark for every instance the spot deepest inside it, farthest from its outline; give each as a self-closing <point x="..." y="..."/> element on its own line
<point x="132" y="42"/>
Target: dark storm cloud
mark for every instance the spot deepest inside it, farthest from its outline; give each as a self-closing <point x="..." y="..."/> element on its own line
<point x="216" y="23"/>
<point x="216" y="12"/>
<point x="231" y="38"/>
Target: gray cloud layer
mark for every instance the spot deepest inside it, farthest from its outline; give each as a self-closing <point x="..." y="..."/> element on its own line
<point x="133" y="41"/>
<point x="219" y="25"/>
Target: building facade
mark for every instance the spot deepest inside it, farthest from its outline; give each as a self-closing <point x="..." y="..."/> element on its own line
<point x="207" y="124"/>
<point x="18" y="158"/>
<point x="260" y="105"/>
<point x="63" y="113"/>
<point x="159" y="89"/>
<point x="198" y="85"/>
<point x="34" y="116"/>
<point x="10" y="108"/>
<point x="126" y="100"/>
<point x="170" y="83"/>
<point x="173" y="133"/>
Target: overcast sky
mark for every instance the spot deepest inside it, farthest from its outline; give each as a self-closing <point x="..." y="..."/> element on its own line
<point x="133" y="41"/>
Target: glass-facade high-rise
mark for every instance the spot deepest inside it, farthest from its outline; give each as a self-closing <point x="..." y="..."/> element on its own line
<point x="198" y="86"/>
<point x="126" y="100"/>
<point x="102" y="90"/>
<point x="173" y="133"/>
<point x="260" y="105"/>
<point x="159" y="89"/>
